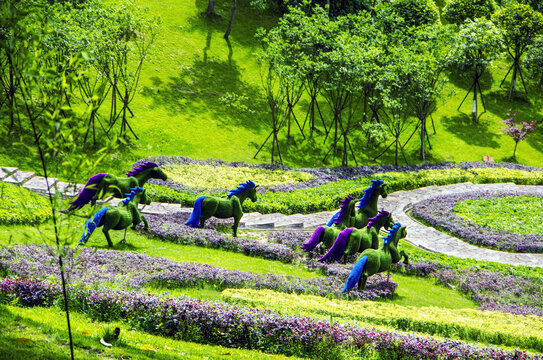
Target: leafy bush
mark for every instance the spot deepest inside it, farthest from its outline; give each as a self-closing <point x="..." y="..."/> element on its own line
<point x="235" y="326"/>
<point x="417" y="12"/>
<point x="464" y="324"/>
<point x="21" y="206"/>
<point x="457" y="11"/>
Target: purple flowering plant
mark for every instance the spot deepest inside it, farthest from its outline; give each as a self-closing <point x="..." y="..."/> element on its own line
<point x="518" y="132"/>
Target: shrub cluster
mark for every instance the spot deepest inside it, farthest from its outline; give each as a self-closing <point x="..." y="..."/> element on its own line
<point x="464" y="324"/>
<point x="21" y="206"/>
<point x="234" y="326"/>
<point x="96" y="267"/>
<point x="330" y="185"/>
<point x="438" y="212"/>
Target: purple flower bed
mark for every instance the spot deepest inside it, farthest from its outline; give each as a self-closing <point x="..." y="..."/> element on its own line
<point x="170" y="227"/>
<point x="93" y="266"/>
<point x="438" y="212"/>
<point x="492" y="290"/>
<point x="236" y="326"/>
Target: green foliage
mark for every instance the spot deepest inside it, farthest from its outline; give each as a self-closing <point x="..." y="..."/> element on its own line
<point x="211" y="177"/>
<point x="417" y="12"/>
<point x="457" y="11"/>
<point x="521" y="25"/>
<point x="464" y="324"/>
<point x="21" y="206"/>
<point x="523" y="214"/>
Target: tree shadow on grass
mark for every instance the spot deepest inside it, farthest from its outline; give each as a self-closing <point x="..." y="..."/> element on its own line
<point x="464" y="79"/>
<point x="198" y="89"/>
<point x="473" y="134"/>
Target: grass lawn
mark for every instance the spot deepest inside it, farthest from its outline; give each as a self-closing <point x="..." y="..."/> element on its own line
<point x="40" y="334"/>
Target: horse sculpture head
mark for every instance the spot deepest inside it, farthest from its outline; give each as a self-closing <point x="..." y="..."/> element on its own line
<point x="382" y="219"/>
<point x="152" y="171"/>
<point x="396" y="233"/>
<point x="377" y="187"/>
<point x="248" y="189"/>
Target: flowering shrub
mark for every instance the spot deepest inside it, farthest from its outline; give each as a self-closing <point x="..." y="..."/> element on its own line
<point x="27" y="292"/>
<point x="135" y="270"/>
<point x="517" y="132"/>
<point x="438" y="212"/>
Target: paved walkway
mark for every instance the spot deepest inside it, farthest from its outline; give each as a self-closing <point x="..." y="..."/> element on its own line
<point x="399" y="203"/>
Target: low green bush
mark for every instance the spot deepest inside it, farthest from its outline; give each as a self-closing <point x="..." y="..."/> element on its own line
<point x="21" y="206"/>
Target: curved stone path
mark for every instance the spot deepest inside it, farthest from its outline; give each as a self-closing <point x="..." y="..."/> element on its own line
<point x="399" y="203"/>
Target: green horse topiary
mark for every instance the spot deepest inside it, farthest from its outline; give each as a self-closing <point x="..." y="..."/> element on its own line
<point x="373" y="261"/>
<point x="118" y="218"/>
<point x="351" y="240"/>
<point x="101" y="184"/>
<point x="326" y="235"/>
<point x="367" y="208"/>
<point x="208" y="206"/>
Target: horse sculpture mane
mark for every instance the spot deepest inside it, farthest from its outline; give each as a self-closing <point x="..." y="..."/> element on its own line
<point x="375" y="220"/>
<point x="392" y="233"/>
<point x="343" y="209"/>
<point x="142" y="167"/>
<point x="368" y="192"/>
<point x="133" y="192"/>
<point x="241" y="188"/>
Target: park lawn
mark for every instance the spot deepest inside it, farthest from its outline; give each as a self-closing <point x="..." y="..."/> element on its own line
<point x="41" y="333"/>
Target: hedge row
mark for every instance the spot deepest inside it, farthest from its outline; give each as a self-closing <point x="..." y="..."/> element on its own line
<point x="21" y="206"/>
<point x="326" y="197"/>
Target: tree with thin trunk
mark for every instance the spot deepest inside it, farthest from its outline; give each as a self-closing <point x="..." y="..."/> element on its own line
<point x="520" y="25"/>
<point x="477" y="43"/>
<point x="517" y="132"/>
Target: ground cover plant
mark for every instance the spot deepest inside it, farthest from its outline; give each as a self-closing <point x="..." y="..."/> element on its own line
<point x="22" y="206"/>
<point x="439" y="212"/>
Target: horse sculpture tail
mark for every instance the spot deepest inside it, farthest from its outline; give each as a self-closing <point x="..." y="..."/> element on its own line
<point x="338" y="248"/>
<point x="87" y="193"/>
<point x="355" y="274"/>
<point x="332" y="219"/>
<point x="194" y="219"/>
<point x="91" y="225"/>
<point x="313" y="240"/>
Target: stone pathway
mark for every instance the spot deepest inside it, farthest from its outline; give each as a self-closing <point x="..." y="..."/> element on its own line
<point x="399" y="203"/>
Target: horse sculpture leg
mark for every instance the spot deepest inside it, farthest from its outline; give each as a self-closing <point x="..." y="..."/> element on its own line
<point x="236" y="224"/>
<point x="405" y="257"/>
<point x="362" y="282"/>
<point x="108" y="238"/>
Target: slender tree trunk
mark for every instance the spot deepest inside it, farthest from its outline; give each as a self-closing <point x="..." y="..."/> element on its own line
<point x="422" y="134"/>
<point x="210" y="9"/>
<point x="474" y="105"/>
<point x="515" y="151"/>
<point x="231" y="22"/>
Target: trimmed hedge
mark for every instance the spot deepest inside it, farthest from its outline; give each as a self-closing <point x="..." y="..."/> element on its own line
<point x="21" y="206"/>
<point x="326" y="197"/>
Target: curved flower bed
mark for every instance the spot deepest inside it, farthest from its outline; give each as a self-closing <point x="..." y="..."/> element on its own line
<point x="170" y="228"/>
<point x="93" y="266"/>
<point x="237" y="326"/>
<point x="438" y="212"/>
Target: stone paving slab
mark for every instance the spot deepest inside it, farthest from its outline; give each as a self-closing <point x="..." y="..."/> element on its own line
<point x="19" y="177"/>
<point x="161" y="208"/>
<point x="39" y="185"/>
<point x="68" y="190"/>
<point x="7" y="171"/>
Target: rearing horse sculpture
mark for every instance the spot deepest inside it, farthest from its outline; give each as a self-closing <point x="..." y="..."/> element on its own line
<point x="327" y="234"/>
<point x="351" y="240"/>
<point x="101" y="184"/>
<point x="208" y="206"/>
<point x="373" y="261"/>
<point x="126" y="213"/>
<point x="367" y="207"/>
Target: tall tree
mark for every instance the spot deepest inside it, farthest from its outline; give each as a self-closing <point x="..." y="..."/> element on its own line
<point x="477" y="43"/>
<point x="520" y="25"/>
<point x="457" y="11"/>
